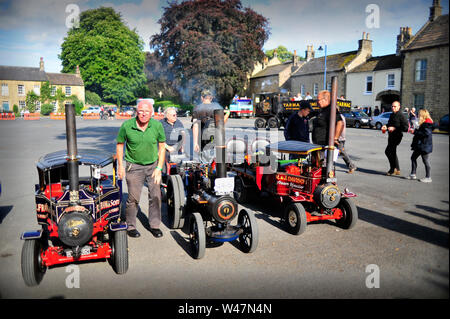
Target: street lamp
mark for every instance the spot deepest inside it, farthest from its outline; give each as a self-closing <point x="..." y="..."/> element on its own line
<point x="325" y="68"/>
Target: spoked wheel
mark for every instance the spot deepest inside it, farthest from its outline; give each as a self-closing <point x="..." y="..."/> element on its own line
<point x="350" y="214"/>
<point x="240" y="191"/>
<point x="175" y="201"/>
<point x="248" y="240"/>
<point x="33" y="269"/>
<point x="119" y="256"/>
<point x="295" y="218"/>
<point x="197" y="235"/>
<point x="260" y="123"/>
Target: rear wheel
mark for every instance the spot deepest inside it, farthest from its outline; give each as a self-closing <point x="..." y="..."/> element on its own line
<point x="175" y="201"/>
<point x="378" y="126"/>
<point x="119" y="256"/>
<point x="357" y="124"/>
<point x="197" y="235"/>
<point x="349" y="214"/>
<point x="33" y="269"/>
<point x="248" y="240"/>
<point x="273" y="123"/>
<point x="240" y="191"/>
<point x="295" y="218"/>
<point x="260" y="123"/>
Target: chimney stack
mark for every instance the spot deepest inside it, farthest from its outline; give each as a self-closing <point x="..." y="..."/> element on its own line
<point x="365" y="45"/>
<point x="77" y="72"/>
<point x="435" y="10"/>
<point x="309" y="53"/>
<point x="404" y="36"/>
<point x="41" y="64"/>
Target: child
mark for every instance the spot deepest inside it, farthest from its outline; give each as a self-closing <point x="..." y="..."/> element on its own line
<point x="422" y="145"/>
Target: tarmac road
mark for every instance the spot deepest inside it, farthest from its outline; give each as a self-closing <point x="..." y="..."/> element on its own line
<point x="403" y="229"/>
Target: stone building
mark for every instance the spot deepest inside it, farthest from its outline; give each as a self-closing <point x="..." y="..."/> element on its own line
<point x="273" y="75"/>
<point x="310" y="77"/>
<point x="375" y="82"/>
<point x="17" y="81"/>
<point x="425" y="65"/>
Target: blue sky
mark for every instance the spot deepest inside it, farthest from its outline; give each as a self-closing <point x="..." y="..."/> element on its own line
<point x="33" y="29"/>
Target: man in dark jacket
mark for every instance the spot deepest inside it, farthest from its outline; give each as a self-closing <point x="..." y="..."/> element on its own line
<point x="297" y="127"/>
<point x="321" y="123"/>
<point x="396" y="125"/>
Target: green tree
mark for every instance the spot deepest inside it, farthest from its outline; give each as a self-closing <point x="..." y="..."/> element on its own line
<point x="109" y="54"/>
<point x="92" y="98"/>
<point x="45" y="96"/>
<point x="282" y="53"/>
<point x="210" y="44"/>
<point x="31" y="100"/>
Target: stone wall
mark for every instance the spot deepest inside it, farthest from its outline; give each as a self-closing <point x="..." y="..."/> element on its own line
<point x="435" y="87"/>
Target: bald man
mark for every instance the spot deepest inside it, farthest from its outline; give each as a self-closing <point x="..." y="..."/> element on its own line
<point x="144" y="157"/>
<point x="321" y="123"/>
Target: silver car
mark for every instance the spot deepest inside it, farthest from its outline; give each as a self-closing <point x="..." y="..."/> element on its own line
<point x="380" y="120"/>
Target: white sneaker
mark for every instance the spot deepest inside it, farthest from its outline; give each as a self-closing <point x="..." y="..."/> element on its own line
<point x="412" y="176"/>
<point x="425" y="180"/>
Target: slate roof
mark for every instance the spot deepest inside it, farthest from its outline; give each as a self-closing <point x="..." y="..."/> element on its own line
<point x="64" y="79"/>
<point x="433" y="33"/>
<point x="379" y="63"/>
<point x="335" y="62"/>
<point x="272" y="70"/>
<point x="19" y="73"/>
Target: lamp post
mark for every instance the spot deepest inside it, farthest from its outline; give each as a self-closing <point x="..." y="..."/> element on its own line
<point x="325" y="68"/>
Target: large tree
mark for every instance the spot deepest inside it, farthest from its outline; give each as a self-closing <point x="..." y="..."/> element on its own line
<point x="210" y="44"/>
<point x="109" y="54"/>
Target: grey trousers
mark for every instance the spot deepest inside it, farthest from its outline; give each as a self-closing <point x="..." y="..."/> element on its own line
<point x="345" y="156"/>
<point x="136" y="175"/>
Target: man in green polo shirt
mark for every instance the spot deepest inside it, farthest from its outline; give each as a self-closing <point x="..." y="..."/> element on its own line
<point x="144" y="156"/>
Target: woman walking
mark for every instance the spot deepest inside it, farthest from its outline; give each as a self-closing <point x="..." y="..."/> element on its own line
<point x="422" y="145"/>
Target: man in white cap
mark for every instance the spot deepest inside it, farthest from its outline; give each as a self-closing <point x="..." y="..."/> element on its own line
<point x="144" y="156"/>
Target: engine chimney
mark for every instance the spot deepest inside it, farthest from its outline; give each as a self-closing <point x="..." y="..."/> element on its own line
<point x="331" y="146"/>
<point x="219" y="139"/>
<point x="72" y="159"/>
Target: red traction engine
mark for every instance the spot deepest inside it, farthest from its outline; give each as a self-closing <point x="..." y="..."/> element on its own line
<point x="79" y="216"/>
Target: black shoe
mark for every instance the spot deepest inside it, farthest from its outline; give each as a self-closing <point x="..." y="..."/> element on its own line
<point x="156" y="232"/>
<point x="133" y="233"/>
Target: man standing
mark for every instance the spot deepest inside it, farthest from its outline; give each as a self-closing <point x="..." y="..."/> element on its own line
<point x="203" y="117"/>
<point x="173" y="130"/>
<point x="144" y="156"/>
<point x="341" y="146"/>
<point x="396" y="125"/>
<point x="297" y="127"/>
<point x="321" y="123"/>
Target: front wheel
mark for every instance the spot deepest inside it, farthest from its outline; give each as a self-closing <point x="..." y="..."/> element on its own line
<point x="248" y="240"/>
<point x="378" y="126"/>
<point x="349" y="214"/>
<point x="33" y="269"/>
<point x="197" y="236"/>
<point x="295" y="218"/>
<point x="119" y="256"/>
<point x="357" y="124"/>
<point x="260" y="123"/>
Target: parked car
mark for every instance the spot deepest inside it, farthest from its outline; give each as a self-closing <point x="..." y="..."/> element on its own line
<point x="356" y="119"/>
<point x="380" y="120"/>
<point x="129" y="110"/>
<point x="443" y="123"/>
<point x="183" y="113"/>
<point x="91" y="110"/>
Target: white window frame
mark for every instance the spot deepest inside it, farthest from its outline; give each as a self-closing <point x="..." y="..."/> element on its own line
<point x="68" y="89"/>
<point x="22" y="105"/>
<point x="37" y="89"/>
<point x="315" y="89"/>
<point x="367" y="82"/>
<point x="390" y="86"/>
<point x="5" y="89"/>
<point x="20" y="89"/>
<point x="302" y="90"/>
<point x="53" y="91"/>
<point x="420" y="70"/>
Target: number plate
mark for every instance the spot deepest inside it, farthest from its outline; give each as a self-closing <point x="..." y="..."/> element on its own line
<point x="224" y="185"/>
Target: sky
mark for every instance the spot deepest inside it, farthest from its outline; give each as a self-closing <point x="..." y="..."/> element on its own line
<point x="33" y="29"/>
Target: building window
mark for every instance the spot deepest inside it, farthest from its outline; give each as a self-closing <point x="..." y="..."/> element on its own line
<point x="421" y="70"/>
<point x="5" y="90"/>
<point x="20" y="89"/>
<point x="38" y="105"/>
<point x="302" y="90"/>
<point x="419" y="101"/>
<point x="53" y="91"/>
<point x="316" y="89"/>
<point x="68" y="91"/>
<point x="22" y="105"/>
<point x="37" y="89"/>
<point x="5" y="106"/>
<point x="369" y="83"/>
<point x="391" y="80"/>
<point x="329" y="86"/>
<point x="55" y="106"/>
